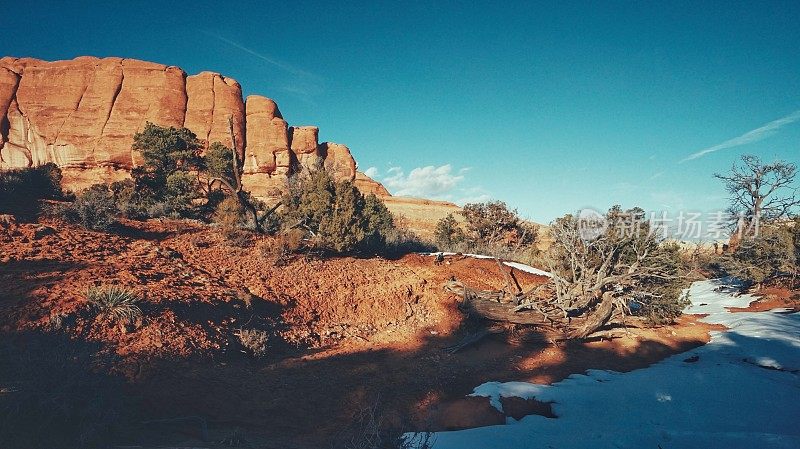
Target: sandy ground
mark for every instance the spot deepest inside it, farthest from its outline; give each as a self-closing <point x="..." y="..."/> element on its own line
<point x="346" y="334"/>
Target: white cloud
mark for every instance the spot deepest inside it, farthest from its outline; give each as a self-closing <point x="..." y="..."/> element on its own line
<point x="748" y="137"/>
<point x="372" y="172"/>
<point x="474" y="195"/>
<point x="440" y="183"/>
<point x="427" y="181"/>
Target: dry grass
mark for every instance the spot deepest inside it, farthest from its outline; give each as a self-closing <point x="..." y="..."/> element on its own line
<point x="254" y="341"/>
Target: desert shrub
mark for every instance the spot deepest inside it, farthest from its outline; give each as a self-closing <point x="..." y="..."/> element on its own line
<point x="448" y="233"/>
<point x="369" y="429"/>
<point x="268" y="223"/>
<point x="624" y="258"/>
<point x="219" y="162"/>
<point x="493" y="223"/>
<point x="114" y="303"/>
<point x="279" y="249"/>
<point x="239" y="238"/>
<point x="661" y="310"/>
<point x="181" y="189"/>
<point x="661" y="299"/>
<point x="228" y="214"/>
<point x="795" y="233"/>
<point x="21" y="189"/>
<point x="401" y="240"/>
<point x="335" y="215"/>
<point x="166" y="182"/>
<point x="761" y="258"/>
<point x="94" y="208"/>
<point x="379" y="221"/>
<point x="492" y="229"/>
<point x="128" y="201"/>
<point x="234" y="222"/>
<point x="255" y="341"/>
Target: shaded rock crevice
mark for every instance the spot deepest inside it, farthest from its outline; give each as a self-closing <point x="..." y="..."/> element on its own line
<point x="213" y="105"/>
<point x="77" y="106"/>
<point x="114" y="97"/>
<point x="9" y="82"/>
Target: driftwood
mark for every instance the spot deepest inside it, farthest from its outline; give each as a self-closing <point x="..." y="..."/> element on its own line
<point x="526" y="309"/>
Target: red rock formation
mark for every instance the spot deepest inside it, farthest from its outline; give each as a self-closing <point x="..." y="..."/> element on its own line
<point x="368" y="185"/>
<point x="82" y="115"/>
<point x="212" y="100"/>
<point x="305" y="146"/>
<point x="267" y="134"/>
<point x="338" y="160"/>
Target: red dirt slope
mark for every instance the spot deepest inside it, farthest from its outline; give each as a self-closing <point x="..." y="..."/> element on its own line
<point x="345" y="333"/>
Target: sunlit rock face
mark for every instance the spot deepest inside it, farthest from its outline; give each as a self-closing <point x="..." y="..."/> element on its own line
<point x="82" y="115"/>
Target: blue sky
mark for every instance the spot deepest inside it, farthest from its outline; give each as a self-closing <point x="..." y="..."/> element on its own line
<point x="550" y="107"/>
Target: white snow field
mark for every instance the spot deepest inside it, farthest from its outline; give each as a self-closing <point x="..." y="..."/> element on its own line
<point x="743" y="391"/>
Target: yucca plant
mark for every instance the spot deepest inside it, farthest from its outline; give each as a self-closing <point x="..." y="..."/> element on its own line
<point x="114" y="303"/>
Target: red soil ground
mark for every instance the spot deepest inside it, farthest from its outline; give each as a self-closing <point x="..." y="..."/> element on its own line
<point x="772" y="298"/>
<point x="346" y="333"/>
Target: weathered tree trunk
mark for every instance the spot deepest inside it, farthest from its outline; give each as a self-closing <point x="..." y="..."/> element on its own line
<point x="585" y="326"/>
<point x="495" y="311"/>
<point x="493" y="305"/>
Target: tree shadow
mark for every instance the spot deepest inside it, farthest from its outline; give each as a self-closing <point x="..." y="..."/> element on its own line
<point x="20" y="278"/>
<point x="286" y="400"/>
<point x="295" y="397"/>
<point x="129" y="229"/>
<point x="55" y="391"/>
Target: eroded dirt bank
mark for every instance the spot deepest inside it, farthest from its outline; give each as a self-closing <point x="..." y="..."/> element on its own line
<point x="345" y="334"/>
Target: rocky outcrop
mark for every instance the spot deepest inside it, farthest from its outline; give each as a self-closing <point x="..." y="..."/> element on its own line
<point x="338" y="160"/>
<point x="369" y="185"/>
<point x="82" y="115"/>
<point x="212" y="100"/>
<point x="267" y="136"/>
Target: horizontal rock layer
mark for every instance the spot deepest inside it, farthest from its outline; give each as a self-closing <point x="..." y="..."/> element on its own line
<point x="82" y="115"/>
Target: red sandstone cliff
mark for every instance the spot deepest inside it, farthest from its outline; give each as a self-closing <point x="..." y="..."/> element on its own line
<point x="82" y="114"/>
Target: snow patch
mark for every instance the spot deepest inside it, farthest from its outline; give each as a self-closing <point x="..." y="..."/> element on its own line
<point x="725" y="398"/>
<point x="519" y="266"/>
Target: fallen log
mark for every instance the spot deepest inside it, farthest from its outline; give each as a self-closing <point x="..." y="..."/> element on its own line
<point x="499" y="306"/>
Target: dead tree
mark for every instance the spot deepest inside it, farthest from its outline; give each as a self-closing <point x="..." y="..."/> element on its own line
<point x="592" y="278"/>
<point x="760" y="192"/>
<point x="237" y="189"/>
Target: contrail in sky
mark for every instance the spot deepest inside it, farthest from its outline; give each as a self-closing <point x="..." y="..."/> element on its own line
<point x="748" y="137"/>
<point x="281" y="65"/>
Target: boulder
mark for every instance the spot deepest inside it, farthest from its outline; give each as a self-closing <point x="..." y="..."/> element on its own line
<point x="304" y="139"/>
<point x="305" y="147"/>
